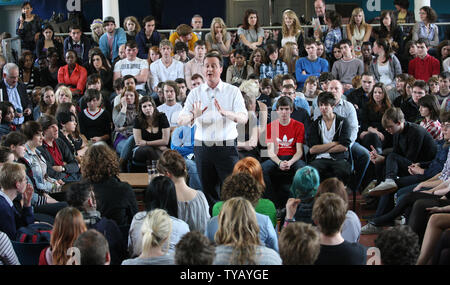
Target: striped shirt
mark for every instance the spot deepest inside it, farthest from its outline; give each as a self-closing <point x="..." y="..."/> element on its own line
<point x="433" y="127"/>
<point x="7" y="254"/>
<point x="446" y="170"/>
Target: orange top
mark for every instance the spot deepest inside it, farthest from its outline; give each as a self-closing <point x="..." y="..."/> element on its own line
<point x="76" y="80"/>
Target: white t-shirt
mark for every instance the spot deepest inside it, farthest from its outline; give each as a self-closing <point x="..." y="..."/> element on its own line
<point x="161" y="73"/>
<point x="171" y="112"/>
<point x="126" y="67"/>
<point x="327" y="136"/>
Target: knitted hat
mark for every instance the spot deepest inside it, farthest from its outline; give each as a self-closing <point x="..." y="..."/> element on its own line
<point x="305" y="183"/>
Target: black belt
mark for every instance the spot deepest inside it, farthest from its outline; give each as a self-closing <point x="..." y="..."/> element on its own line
<point x="215" y="143"/>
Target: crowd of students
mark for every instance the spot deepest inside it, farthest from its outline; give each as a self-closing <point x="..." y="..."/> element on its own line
<point x="317" y="113"/>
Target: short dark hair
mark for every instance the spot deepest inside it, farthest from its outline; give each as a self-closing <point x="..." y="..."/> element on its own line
<point x="345" y="42"/>
<point x="93" y="79"/>
<point x="25" y="3"/>
<point x="194" y="248"/>
<point x="326" y="76"/>
<point x="93" y="247"/>
<point x="91" y="94"/>
<point x="310" y="41"/>
<point x="421" y="84"/>
<point x="131" y="44"/>
<point x="148" y="19"/>
<point x="180" y="81"/>
<point x="398" y="245"/>
<point x="128" y="76"/>
<point x="200" y="43"/>
<point x="118" y="83"/>
<point x="4" y="153"/>
<point x="424" y="41"/>
<point x="402" y="3"/>
<point x="285" y="101"/>
<point x="14" y="138"/>
<point x="31" y="128"/>
<point x="444" y="75"/>
<point x="180" y="46"/>
<point x="77" y="194"/>
<point x="46" y="121"/>
<point x="326" y="98"/>
<point x="367" y="44"/>
<point x="445" y="117"/>
<point x="75" y="27"/>
<point x="216" y="55"/>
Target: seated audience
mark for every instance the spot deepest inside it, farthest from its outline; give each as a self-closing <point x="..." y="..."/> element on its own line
<point x="95" y="122"/>
<point x="299" y="244"/>
<point x="68" y="226"/>
<point x="194" y="249"/>
<point x="156" y="232"/>
<point x="410" y="108"/>
<point x="72" y="74"/>
<point x="274" y="65"/>
<point x="240" y="70"/>
<point x="93" y="248"/>
<point x="348" y="66"/>
<point x="160" y="194"/>
<point x="429" y="110"/>
<point x="329" y="213"/>
<point x="311" y="65"/>
<point x="424" y="65"/>
<point x="237" y="239"/>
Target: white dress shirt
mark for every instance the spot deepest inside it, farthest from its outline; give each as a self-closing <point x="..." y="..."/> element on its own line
<point x="161" y="73"/>
<point x="212" y="126"/>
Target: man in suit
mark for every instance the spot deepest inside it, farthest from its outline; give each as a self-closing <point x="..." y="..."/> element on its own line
<point x="15" y="92"/>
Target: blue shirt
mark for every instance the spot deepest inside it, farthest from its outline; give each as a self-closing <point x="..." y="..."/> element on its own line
<point x="10" y="218"/>
<point x="267" y="232"/>
<point x="299" y="102"/>
<point x="183" y="140"/>
<point x="312" y="68"/>
<point x="333" y="37"/>
<point x="14" y="98"/>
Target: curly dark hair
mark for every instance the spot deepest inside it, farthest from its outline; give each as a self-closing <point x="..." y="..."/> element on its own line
<point x="99" y="163"/>
<point x="244" y="185"/>
<point x="194" y="248"/>
<point x="77" y="194"/>
<point x="398" y="246"/>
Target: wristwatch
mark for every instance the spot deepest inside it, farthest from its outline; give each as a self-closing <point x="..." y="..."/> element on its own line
<point x="63" y="169"/>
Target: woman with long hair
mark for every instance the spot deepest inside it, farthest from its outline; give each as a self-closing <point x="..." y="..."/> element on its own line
<point x="334" y="35"/>
<point x="273" y="65"/>
<point x="218" y="38"/>
<point x="289" y="55"/>
<point x="358" y="31"/>
<point x="193" y="207"/>
<point x="124" y="116"/>
<point x="115" y="199"/>
<point x="390" y="31"/>
<point x="132" y="27"/>
<point x="153" y="55"/>
<point x="386" y="66"/>
<point x="237" y="237"/>
<point x="47" y="104"/>
<point x="156" y="232"/>
<point x="291" y="31"/>
<point x="406" y="94"/>
<point x="46" y="41"/>
<point x="372" y="131"/>
<point x="257" y="58"/>
<point x="160" y="194"/>
<point x="151" y="131"/>
<point x="69" y="225"/>
<point x="97" y="31"/>
<point x="28" y="74"/>
<point x="250" y="34"/>
<point x="49" y="75"/>
<point x="426" y="27"/>
<point x="100" y="65"/>
<point x="430" y="111"/>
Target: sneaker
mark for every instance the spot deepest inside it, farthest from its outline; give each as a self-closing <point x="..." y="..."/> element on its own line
<point x="369" y="187"/>
<point x="385" y="187"/>
<point x="400" y="220"/>
<point x="370" y="229"/>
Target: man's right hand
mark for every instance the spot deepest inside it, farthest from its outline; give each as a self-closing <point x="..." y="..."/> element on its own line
<point x="197" y="109"/>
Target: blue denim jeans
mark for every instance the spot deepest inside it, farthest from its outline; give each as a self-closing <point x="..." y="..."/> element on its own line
<point x="194" y="179"/>
<point x="361" y="160"/>
<point x="125" y="148"/>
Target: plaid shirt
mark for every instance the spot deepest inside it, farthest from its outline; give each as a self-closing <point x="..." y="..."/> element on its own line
<point x="268" y="71"/>
<point x="333" y="37"/>
<point x="446" y="170"/>
<point x="433" y="127"/>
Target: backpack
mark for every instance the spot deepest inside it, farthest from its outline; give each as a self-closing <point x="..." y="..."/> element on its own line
<point x="35" y="233"/>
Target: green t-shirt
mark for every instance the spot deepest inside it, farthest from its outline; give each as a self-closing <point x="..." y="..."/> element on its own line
<point x="264" y="206"/>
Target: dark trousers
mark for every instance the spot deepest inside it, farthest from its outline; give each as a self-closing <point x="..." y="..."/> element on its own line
<point x="214" y="164"/>
<point x="374" y="140"/>
<point x="328" y="168"/>
<point x="271" y="170"/>
<point x="396" y="165"/>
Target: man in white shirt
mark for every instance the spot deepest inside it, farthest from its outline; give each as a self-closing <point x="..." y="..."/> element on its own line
<point x="170" y="107"/>
<point x="216" y="108"/>
<point x="166" y="68"/>
<point x="195" y="65"/>
<point x="132" y="65"/>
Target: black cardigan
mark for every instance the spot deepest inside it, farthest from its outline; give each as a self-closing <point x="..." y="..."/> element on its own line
<point x="342" y="135"/>
<point x="67" y="156"/>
